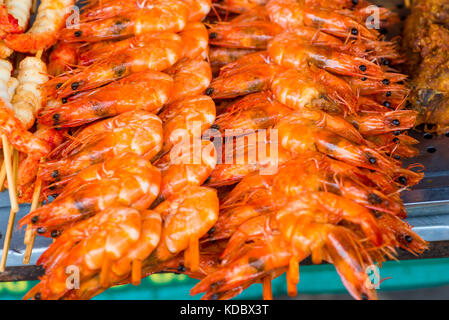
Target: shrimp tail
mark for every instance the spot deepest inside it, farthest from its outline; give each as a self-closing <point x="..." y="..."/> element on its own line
<point x="25" y="42"/>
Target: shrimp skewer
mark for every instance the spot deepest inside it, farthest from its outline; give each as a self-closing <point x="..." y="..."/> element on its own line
<point x="170" y="16"/>
<point x="148" y="91"/>
<point x="157" y="57"/>
<point x="138" y="131"/>
<point x="106" y="230"/>
<point x="136" y="185"/>
<point x="50" y="19"/>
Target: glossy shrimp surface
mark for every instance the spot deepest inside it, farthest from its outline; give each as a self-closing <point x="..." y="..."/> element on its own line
<point x="157" y="57"/>
<point x="139" y="132"/>
<point x="148" y="91"/>
<point x="156" y="17"/>
<point x="97" y="188"/>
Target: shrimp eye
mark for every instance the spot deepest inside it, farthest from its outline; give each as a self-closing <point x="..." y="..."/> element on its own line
<point x="362" y="67"/>
<point x="397" y="132"/>
<point x="181" y="268"/>
<point x="386" y="104"/>
<point x="396" y="122"/>
<point x="213" y="35"/>
<point x="386" y="62"/>
<point x="55" y="234"/>
<point x="59" y="85"/>
<point x="55" y="174"/>
<point x="397" y="157"/>
<point x="388" y="94"/>
<point x="215" y="296"/>
<point x="402" y="180"/>
<point x="364" y="296"/>
<point x="64" y="100"/>
<point x="395" y="140"/>
<point x="209" y="91"/>
<point x="354" y="31"/>
<point x="372" y="160"/>
<point x="78" y="33"/>
<point x="355" y="2"/>
<point x="37" y="296"/>
<point x="408" y="238"/>
<point x="386" y="82"/>
<point x="56" y="117"/>
<point x="75" y="85"/>
<point x="364" y="79"/>
<point x="34" y="219"/>
<point x="211" y="230"/>
<point x="41" y="230"/>
<point x="374" y="198"/>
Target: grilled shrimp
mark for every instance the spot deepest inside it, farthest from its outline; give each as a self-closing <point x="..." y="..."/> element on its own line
<point x="128" y="180"/>
<point x="28" y="97"/>
<point x="239" y="6"/>
<point x="195" y="40"/>
<point x="159" y="16"/>
<point x="186" y="120"/>
<point x="219" y="57"/>
<point x="247" y="35"/>
<point x="102" y="50"/>
<point x="187" y="216"/>
<point x="50" y="18"/>
<point x="15" y="131"/>
<point x="314" y="88"/>
<point x="191" y="77"/>
<point x="249" y="74"/>
<point x="29" y="165"/>
<point x="136" y="131"/>
<point x="310" y="172"/>
<point x="191" y="167"/>
<point x="159" y="56"/>
<point x="398" y="146"/>
<point x="100" y="244"/>
<point x="177" y="212"/>
<point x="248" y="154"/>
<point x="254" y="111"/>
<point x="383" y="122"/>
<point x="292" y="13"/>
<point x="296" y="134"/>
<point x="147" y="90"/>
<point x="8" y="22"/>
<point x="290" y="50"/>
<point x="253" y="259"/>
<point x="63" y="56"/>
<point x="198" y="9"/>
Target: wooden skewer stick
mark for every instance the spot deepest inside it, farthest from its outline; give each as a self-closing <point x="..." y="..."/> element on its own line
<point x="2" y="176"/>
<point x="30" y="236"/>
<point x="13" y="200"/>
<point x="34" y="7"/>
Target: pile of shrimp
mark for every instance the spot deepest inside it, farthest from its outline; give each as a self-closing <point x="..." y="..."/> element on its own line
<point x="155" y="170"/>
<point x="313" y="91"/>
<point x="126" y="91"/>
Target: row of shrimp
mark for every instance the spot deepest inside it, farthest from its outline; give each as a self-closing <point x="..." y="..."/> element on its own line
<point x="22" y="94"/>
<point x="312" y="112"/>
<point x="126" y="91"/>
<point x="292" y="151"/>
